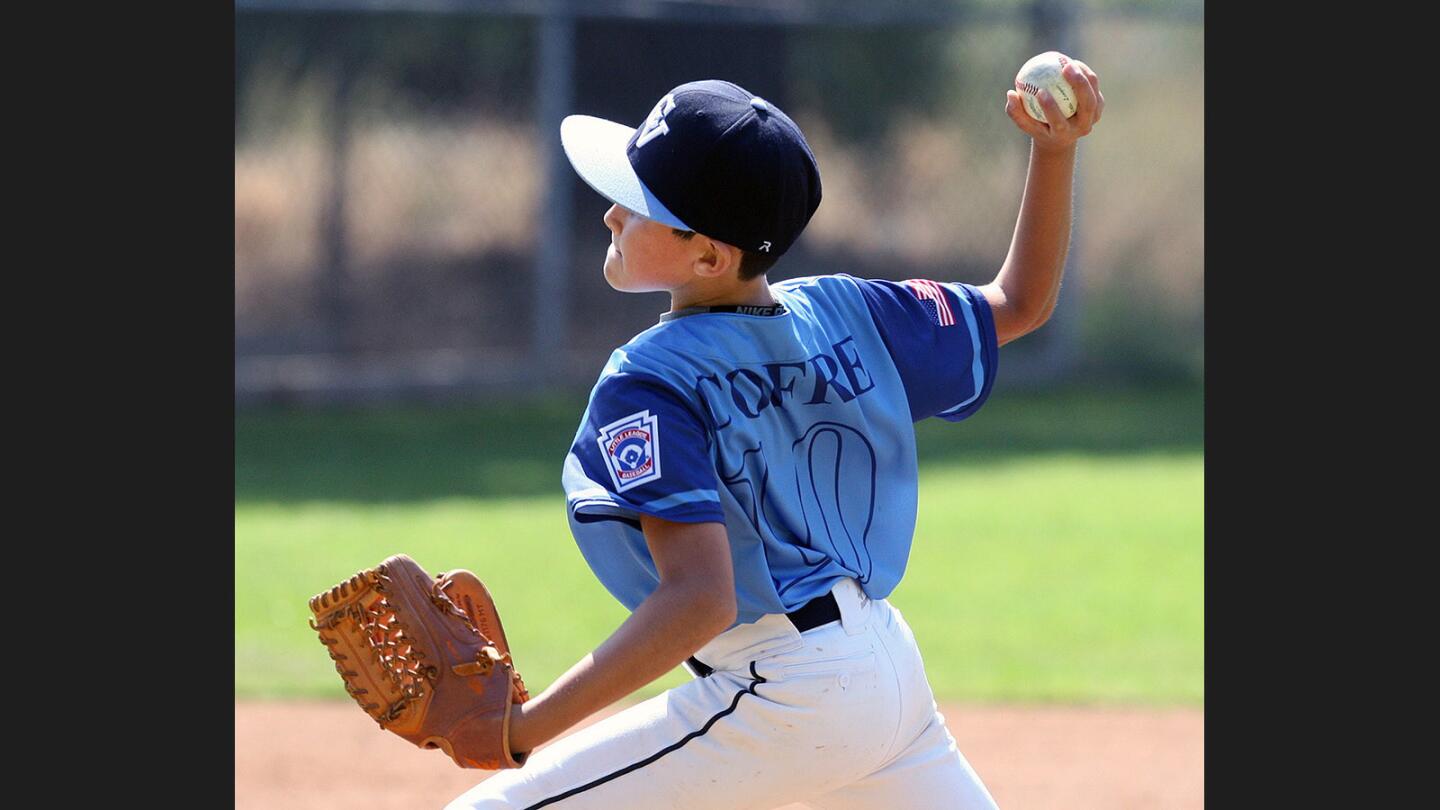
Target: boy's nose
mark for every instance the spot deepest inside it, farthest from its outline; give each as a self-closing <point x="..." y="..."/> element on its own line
<point x="615" y="217"/>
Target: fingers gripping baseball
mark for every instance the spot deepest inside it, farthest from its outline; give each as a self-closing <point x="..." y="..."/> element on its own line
<point x="1057" y="131"/>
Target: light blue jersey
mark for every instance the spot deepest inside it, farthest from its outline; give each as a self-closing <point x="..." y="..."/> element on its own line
<point x="795" y="430"/>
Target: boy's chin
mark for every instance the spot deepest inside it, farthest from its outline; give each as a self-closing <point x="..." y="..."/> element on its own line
<point x="620" y="283"/>
<point x="612" y="277"/>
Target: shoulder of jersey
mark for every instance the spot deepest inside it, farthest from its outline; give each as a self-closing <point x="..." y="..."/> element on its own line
<point x="648" y="351"/>
<point x="833" y="287"/>
<point x="832" y="282"/>
<point x="808" y="281"/>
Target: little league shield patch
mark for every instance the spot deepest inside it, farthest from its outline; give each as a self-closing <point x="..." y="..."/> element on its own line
<point x="631" y="449"/>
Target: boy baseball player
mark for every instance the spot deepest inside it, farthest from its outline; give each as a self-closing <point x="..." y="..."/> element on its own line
<point x="744" y="477"/>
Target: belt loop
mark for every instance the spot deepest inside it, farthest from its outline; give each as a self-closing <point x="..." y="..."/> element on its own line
<point x="853" y="607"/>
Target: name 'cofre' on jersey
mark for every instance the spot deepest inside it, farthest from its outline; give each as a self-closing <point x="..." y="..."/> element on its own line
<point x="752" y="392"/>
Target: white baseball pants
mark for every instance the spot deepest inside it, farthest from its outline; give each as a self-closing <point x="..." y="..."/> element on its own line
<point x="838" y="718"/>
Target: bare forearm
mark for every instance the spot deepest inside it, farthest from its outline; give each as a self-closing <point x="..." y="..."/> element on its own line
<point x="668" y="627"/>
<point x="1033" y="268"/>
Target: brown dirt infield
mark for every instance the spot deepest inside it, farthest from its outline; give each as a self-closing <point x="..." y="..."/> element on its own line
<point x="323" y="755"/>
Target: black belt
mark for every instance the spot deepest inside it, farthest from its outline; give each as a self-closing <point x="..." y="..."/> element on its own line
<point x="820" y="610"/>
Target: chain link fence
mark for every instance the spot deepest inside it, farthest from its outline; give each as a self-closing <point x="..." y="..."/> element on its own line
<point x="405" y="226"/>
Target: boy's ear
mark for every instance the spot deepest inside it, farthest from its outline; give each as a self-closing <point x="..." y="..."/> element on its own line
<point x="716" y="258"/>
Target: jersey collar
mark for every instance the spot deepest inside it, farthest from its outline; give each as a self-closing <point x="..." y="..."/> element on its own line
<point x="768" y="310"/>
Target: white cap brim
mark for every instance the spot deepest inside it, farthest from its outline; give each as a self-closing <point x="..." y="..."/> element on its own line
<point x="596" y="148"/>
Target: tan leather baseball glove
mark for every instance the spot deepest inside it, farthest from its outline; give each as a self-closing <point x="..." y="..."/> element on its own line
<point x="426" y="658"/>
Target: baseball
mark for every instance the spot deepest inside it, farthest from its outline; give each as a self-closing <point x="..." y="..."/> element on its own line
<point x="1043" y="70"/>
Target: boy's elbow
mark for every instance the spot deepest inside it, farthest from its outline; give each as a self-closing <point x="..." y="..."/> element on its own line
<point x="723" y="611"/>
<point x="1040" y="318"/>
<point x="712" y="610"/>
<point x="719" y="612"/>
<point x="1018" y="322"/>
<point x="1034" y="316"/>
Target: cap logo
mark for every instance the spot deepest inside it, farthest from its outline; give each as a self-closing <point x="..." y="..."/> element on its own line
<point x="655" y="125"/>
<point x="766" y="246"/>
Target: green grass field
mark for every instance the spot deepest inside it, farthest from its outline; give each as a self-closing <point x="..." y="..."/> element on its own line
<point x="1059" y="554"/>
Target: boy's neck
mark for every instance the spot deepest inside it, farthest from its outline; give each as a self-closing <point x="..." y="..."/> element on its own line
<point x="755" y="292"/>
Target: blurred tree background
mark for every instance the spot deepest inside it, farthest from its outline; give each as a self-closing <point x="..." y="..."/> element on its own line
<point x="403" y="231"/>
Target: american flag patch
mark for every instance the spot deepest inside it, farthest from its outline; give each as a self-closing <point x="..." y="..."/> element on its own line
<point x="934" y="298"/>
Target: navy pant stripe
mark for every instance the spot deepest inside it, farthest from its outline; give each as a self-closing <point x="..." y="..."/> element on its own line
<point x="750" y="690"/>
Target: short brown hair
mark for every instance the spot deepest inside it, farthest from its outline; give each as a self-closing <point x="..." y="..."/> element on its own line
<point x="752" y="263"/>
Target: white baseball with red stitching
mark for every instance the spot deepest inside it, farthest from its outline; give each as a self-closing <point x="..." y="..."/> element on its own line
<point x="1043" y="70"/>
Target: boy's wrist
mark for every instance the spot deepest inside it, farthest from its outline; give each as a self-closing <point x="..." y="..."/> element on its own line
<point x="523" y="733"/>
<point x="1052" y="150"/>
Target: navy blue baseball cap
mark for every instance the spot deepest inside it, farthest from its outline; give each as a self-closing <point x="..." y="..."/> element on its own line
<point x="712" y="158"/>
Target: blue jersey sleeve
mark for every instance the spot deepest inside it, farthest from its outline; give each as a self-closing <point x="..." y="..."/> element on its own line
<point x="941" y="337"/>
<point x="642" y="448"/>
